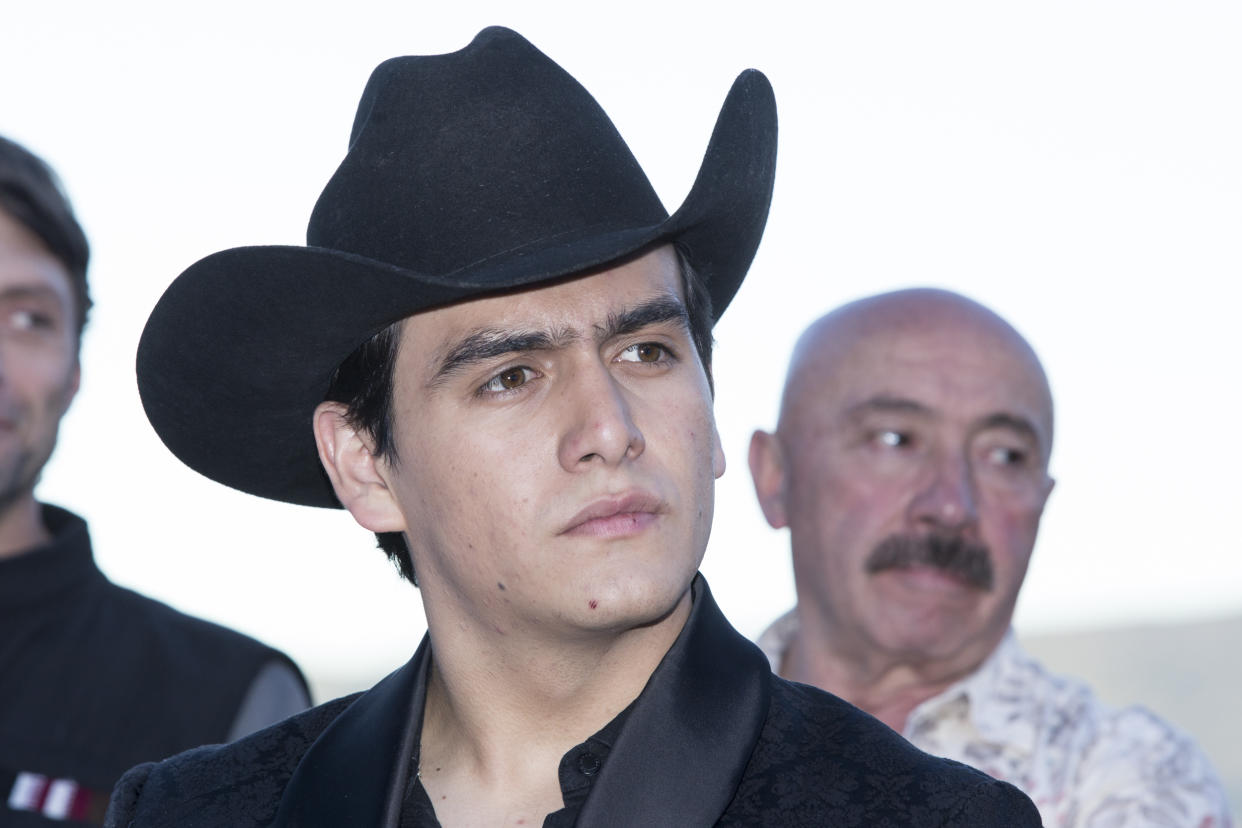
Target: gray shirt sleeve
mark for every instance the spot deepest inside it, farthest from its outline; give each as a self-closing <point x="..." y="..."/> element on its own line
<point x="276" y="693"/>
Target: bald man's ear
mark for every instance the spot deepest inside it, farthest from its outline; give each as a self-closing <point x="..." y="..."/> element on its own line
<point x="767" y="469"/>
<point x="356" y="474"/>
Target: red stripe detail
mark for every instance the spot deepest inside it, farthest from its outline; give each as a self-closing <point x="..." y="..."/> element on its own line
<point x="81" y="803"/>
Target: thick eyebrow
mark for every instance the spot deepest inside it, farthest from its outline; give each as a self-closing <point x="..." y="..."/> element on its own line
<point x="489" y="343"/>
<point x="656" y="311"/>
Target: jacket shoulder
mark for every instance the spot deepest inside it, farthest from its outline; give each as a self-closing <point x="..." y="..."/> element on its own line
<point x="819" y="759"/>
<point x="238" y="784"/>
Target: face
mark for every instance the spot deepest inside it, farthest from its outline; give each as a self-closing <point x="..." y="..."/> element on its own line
<point x="911" y="468"/>
<point x="556" y="452"/>
<point x="38" y="357"/>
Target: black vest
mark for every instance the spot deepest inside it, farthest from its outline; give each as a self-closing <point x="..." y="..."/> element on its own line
<point x="95" y="679"/>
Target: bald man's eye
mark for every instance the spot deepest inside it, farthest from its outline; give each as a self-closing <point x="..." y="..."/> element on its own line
<point x="893" y="439"/>
<point x="1006" y="456"/>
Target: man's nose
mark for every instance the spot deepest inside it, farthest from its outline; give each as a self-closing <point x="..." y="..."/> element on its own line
<point x="600" y="426"/>
<point x="947" y="498"/>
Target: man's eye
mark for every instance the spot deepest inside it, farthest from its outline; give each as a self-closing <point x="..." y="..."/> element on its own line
<point x="644" y="352"/>
<point x="1005" y="456"/>
<point x="509" y="379"/>
<point x="892" y="439"/>
<point x="30" y="320"/>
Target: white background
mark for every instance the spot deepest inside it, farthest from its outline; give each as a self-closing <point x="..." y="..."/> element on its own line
<point x="1074" y="165"/>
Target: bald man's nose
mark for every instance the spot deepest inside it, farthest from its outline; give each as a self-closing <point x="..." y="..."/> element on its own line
<point x="947" y="498"/>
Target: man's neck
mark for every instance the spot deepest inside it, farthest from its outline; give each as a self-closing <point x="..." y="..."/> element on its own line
<point x="21" y="527"/>
<point x="887" y="687"/>
<point x="499" y="715"/>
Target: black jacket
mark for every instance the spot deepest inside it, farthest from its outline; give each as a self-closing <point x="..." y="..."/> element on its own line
<point x="714" y="739"/>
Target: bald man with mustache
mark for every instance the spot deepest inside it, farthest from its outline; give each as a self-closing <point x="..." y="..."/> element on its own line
<point x="910" y="464"/>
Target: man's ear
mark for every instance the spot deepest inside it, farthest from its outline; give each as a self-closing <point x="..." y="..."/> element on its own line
<point x="355" y="472"/>
<point x="767" y="469"/>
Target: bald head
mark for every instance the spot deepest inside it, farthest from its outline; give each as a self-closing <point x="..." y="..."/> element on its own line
<point x="903" y="323"/>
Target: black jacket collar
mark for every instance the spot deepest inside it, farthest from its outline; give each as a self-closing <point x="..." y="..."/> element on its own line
<point x="355" y="772"/>
<point x="53" y="572"/>
<point x="677" y="761"/>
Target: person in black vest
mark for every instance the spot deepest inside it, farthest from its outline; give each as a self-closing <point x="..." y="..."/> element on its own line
<point x="93" y="678"/>
<point x="497" y="346"/>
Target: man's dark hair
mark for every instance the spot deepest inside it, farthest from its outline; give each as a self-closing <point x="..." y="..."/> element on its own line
<point x="364" y="383"/>
<point x="31" y="194"/>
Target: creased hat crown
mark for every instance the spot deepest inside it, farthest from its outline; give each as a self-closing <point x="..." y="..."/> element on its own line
<point x="506" y="152"/>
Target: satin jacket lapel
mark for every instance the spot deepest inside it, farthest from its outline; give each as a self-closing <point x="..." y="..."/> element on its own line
<point x="355" y="772"/>
<point x="683" y="749"/>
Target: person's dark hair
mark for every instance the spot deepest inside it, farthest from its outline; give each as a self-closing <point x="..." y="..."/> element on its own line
<point x="364" y="383"/>
<point x="32" y="195"/>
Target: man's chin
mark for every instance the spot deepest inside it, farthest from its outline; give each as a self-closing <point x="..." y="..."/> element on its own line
<point x="16" y="486"/>
<point x="634" y="605"/>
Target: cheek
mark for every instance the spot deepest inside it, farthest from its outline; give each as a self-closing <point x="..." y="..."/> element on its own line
<point x="681" y="432"/>
<point x="49" y="379"/>
<point x="828" y="515"/>
<point x="473" y="527"/>
<point x="493" y="480"/>
<point x="841" y="499"/>
<point x="1009" y="529"/>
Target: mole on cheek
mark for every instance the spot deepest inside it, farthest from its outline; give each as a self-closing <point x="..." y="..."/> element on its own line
<point x="592" y="603"/>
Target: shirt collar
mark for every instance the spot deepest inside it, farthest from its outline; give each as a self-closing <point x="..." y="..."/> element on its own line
<point x="678" y="758"/>
<point x="996" y="698"/>
<point x="681" y="754"/>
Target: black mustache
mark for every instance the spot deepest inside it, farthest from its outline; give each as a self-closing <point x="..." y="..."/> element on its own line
<point x="972" y="562"/>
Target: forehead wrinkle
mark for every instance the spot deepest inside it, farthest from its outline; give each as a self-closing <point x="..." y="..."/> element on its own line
<point x="1013" y="422"/>
<point x="886" y="403"/>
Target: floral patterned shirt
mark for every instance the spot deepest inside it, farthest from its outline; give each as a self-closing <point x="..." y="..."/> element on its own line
<point x="1085" y="764"/>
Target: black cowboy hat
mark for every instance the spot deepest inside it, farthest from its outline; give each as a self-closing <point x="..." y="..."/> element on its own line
<point x="468" y="173"/>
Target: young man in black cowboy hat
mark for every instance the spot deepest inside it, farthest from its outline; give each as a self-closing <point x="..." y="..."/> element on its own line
<point x="496" y="344"/>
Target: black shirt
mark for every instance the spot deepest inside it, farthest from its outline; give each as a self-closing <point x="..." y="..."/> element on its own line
<point x="579" y="767"/>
